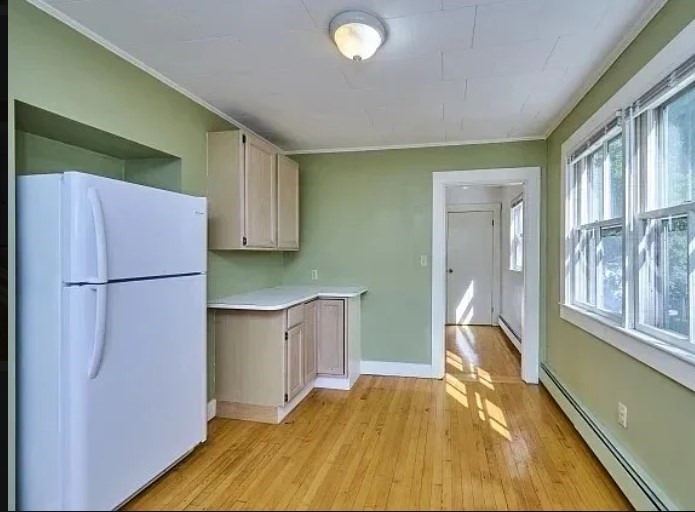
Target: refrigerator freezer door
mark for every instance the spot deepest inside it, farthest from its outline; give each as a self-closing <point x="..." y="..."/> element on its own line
<point x="144" y="407"/>
<point x="115" y="230"/>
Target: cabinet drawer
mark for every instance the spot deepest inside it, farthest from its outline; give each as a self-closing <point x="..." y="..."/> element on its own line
<point x="295" y="315"/>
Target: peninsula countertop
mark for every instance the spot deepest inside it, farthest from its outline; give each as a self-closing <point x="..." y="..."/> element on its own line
<point x="283" y="297"/>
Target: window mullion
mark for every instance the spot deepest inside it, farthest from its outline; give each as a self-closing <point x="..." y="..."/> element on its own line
<point x="630" y="241"/>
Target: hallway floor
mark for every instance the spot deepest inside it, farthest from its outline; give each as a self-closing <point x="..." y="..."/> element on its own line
<point x="480" y="439"/>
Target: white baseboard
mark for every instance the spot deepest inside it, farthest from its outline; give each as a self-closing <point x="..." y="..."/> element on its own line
<point x="641" y="490"/>
<point x="212" y="409"/>
<point x="333" y="383"/>
<point x="423" y="371"/>
<point x="510" y="334"/>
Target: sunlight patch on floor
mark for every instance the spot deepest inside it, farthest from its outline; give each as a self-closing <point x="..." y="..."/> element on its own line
<point x="467" y="362"/>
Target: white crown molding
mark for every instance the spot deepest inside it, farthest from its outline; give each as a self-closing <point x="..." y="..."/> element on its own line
<point x="610" y="59"/>
<point x="67" y="20"/>
<point x="414" y="146"/>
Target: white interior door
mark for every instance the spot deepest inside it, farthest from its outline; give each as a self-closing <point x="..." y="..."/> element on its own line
<point x="145" y="405"/>
<point x="470" y="267"/>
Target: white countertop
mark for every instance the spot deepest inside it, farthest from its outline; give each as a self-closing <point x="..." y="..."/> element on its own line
<point x="283" y="297"/>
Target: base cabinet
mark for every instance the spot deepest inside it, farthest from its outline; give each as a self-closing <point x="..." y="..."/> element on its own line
<point x="331" y="332"/>
<point x="294" y="367"/>
<point x="267" y="361"/>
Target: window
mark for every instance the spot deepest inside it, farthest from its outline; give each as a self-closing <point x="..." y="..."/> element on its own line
<point x="516" y="235"/>
<point x="666" y="180"/>
<point x="631" y="215"/>
<point x="598" y="171"/>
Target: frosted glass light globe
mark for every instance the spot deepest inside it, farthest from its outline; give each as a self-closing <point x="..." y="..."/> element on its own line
<point x="357" y="35"/>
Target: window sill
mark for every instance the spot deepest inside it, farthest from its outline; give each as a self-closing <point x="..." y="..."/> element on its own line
<point x="674" y="362"/>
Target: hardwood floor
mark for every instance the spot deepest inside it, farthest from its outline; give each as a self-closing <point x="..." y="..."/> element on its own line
<point x="479" y="439"/>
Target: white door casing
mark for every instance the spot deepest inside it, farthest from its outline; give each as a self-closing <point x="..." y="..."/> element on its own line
<point x="530" y="178"/>
<point x="470" y="268"/>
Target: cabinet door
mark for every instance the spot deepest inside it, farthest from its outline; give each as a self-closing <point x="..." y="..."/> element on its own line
<point x="331" y="337"/>
<point x="260" y="196"/>
<point x="310" y="327"/>
<point x="293" y="361"/>
<point x="288" y="203"/>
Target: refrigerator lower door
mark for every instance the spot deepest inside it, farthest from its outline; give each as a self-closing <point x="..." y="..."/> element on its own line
<point x="113" y="230"/>
<point x="134" y="385"/>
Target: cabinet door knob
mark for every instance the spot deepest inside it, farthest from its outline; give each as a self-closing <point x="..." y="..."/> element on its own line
<point x="451" y="271"/>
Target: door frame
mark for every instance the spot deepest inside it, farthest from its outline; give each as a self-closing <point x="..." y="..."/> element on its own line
<point x="496" y="209"/>
<point x="530" y="178"/>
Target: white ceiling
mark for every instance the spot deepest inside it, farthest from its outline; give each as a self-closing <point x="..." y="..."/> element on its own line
<point x="450" y="71"/>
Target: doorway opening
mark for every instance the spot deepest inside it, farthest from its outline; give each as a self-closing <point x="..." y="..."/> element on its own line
<point x="486" y="266"/>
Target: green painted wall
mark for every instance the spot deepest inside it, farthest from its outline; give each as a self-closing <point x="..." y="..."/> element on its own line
<point x="36" y="154"/>
<point x="162" y="173"/>
<point x="662" y="413"/>
<point x="367" y="217"/>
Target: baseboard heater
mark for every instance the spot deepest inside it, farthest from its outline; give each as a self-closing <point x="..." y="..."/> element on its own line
<point x="638" y="490"/>
<point x="510" y="333"/>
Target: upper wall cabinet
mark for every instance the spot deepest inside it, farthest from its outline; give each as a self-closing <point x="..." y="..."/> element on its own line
<point x="288" y="203"/>
<point x="253" y="193"/>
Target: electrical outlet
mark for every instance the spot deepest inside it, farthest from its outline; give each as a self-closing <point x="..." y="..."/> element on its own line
<point x="423" y="260"/>
<point x="314" y="275"/>
<point x="622" y="415"/>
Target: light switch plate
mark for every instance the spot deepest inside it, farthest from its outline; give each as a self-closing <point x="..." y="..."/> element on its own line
<point x="314" y="275"/>
<point x="423" y="260"/>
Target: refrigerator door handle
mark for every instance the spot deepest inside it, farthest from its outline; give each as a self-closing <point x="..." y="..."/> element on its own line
<point x="99" y="234"/>
<point x="99" y="332"/>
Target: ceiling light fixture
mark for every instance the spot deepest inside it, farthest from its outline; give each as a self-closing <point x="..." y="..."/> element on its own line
<point x="357" y="35"/>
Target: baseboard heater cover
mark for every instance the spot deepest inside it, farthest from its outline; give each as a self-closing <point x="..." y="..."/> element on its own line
<point x="642" y="493"/>
<point x="510" y="333"/>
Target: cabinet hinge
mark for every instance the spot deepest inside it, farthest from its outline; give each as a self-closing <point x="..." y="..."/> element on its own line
<point x="287" y="336"/>
<point x="244" y="241"/>
<point x="243" y="139"/>
<point x="286" y="397"/>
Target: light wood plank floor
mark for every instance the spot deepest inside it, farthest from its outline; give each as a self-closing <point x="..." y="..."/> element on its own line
<point x="479" y="439"/>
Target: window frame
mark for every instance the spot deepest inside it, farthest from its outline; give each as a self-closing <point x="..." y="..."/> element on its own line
<point x="667" y="354"/>
<point x="516" y="239"/>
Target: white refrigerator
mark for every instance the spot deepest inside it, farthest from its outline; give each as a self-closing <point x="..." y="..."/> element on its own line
<point x="111" y="337"/>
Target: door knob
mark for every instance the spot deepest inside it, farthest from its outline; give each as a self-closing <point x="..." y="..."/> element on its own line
<point x="451" y="271"/>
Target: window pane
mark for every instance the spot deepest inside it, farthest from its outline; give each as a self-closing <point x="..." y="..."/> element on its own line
<point x="582" y="183"/>
<point x="675" y="263"/>
<point x="679" y="143"/>
<point x="584" y="261"/>
<point x="596" y="185"/>
<point x="617" y="187"/>
<point x="664" y="279"/>
<point x="516" y="236"/>
<point x="610" y="270"/>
